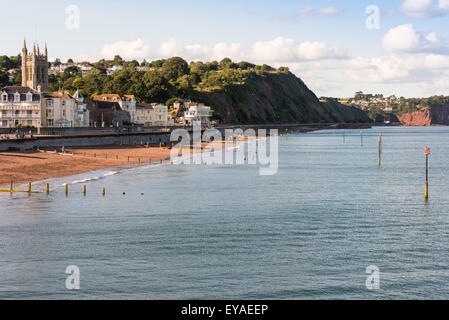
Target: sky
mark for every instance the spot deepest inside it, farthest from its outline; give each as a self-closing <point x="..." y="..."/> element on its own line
<point x="337" y="47"/>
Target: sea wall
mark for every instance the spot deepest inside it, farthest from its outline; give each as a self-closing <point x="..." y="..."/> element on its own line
<point x="82" y="141"/>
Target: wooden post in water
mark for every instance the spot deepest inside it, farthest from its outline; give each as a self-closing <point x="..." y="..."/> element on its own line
<point x="380" y="146"/>
<point x="47" y="188"/>
<point x="361" y="138"/>
<point x="66" y="189"/>
<point x="10" y="185"/>
<point x="29" y="188"/>
<point x="84" y="190"/>
<point x="426" y="189"/>
<point x="103" y="192"/>
<point x="379" y="156"/>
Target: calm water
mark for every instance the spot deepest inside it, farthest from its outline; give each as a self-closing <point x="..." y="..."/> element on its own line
<point x="308" y="232"/>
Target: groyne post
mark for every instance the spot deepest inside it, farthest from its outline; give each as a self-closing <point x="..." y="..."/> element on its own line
<point x="47" y="188"/>
<point x="66" y="189"/>
<point x="84" y="190"/>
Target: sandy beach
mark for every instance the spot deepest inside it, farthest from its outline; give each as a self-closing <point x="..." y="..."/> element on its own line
<point x="36" y="166"/>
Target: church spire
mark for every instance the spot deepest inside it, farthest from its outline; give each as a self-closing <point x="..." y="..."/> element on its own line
<point x="24" y="49"/>
<point x="46" y="52"/>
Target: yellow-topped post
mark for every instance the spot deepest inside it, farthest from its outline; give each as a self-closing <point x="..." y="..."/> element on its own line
<point x="361" y="138"/>
<point x="426" y="189"/>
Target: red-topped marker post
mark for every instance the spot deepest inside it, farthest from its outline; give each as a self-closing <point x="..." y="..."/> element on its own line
<point x="426" y="190"/>
<point x="380" y="149"/>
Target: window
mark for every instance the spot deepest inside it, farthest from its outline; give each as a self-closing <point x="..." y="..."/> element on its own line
<point x="29" y="112"/>
<point x="17" y="97"/>
<point x="4" y="112"/>
<point x="5" y="97"/>
<point x="49" y="103"/>
<point x="29" y="96"/>
<point x="63" y="113"/>
<point x="49" y="122"/>
<point x="63" y="103"/>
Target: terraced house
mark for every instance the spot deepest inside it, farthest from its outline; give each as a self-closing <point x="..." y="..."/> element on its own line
<point x="126" y="102"/>
<point x="60" y="109"/>
<point x="153" y="114"/>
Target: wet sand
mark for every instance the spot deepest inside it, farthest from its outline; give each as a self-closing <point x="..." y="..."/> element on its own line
<point x="36" y="166"/>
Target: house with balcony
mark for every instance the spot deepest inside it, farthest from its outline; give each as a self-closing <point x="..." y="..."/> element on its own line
<point x="198" y="113"/>
<point x="20" y="106"/>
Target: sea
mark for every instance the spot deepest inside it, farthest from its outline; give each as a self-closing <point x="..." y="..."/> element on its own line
<point x="330" y="224"/>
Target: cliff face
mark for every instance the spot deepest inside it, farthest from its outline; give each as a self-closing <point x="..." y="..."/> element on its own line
<point x="275" y="98"/>
<point x="435" y="115"/>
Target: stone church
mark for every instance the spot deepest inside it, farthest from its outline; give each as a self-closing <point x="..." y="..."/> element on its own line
<point x="35" y="68"/>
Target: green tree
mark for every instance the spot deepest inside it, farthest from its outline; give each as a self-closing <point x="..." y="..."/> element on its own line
<point x="174" y="68"/>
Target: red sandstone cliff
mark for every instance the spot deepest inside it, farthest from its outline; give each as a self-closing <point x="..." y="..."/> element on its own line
<point x="436" y="115"/>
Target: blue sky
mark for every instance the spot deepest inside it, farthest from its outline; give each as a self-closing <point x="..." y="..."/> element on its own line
<point x="326" y="43"/>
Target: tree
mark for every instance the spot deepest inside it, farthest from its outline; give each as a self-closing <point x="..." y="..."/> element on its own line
<point x="174" y="68"/>
<point x="225" y="63"/>
<point x="70" y="61"/>
<point x="4" y="78"/>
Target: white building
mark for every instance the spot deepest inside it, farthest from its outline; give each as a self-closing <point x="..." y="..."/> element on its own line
<point x="198" y="113"/>
<point x="81" y="118"/>
<point x="84" y="67"/>
<point x="114" y="69"/>
<point x="20" y="106"/>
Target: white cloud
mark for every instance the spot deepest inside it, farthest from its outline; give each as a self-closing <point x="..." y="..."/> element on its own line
<point x="405" y="38"/>
<point x="422" y="9"/>
<point x="328" y="12"/>
<point x="287" y="50"/>
<point x="390" y="68"/>
<point x="128" y="50"/>
<point x="398" y="68"/>
<point x="305" y="10"/>
<point x="219" y="51"/>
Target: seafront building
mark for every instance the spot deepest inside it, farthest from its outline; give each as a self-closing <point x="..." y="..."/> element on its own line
<point x="60" y="109"/>
<point x="127" y="103"/>
<point x="153" y="114"/>
<point x="198" y="112"/>
<point x="20" y="106"/>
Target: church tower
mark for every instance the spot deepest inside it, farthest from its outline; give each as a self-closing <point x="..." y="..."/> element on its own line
<point x="35" y="68"/>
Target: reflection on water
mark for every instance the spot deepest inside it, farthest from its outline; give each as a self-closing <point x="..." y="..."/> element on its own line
<point x="225" y="232"/>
